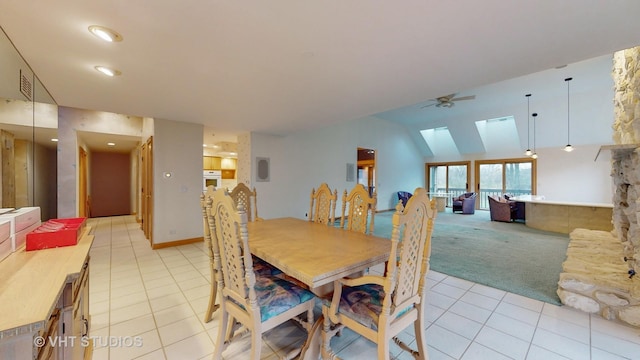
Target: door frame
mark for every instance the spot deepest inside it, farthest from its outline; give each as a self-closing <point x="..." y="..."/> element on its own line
<point x="534" y="175"/>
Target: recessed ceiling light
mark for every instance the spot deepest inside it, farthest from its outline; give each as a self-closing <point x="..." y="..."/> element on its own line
<point x="105" y="33"/>
<point x="204" y="145"/>
<point x="108" y="71"/>
<point x="111" y="144"/>
<point x="54" y="140"/>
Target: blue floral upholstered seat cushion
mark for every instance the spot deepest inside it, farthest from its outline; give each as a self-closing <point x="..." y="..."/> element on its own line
<point x="276" y="296"/>
<point x="362" y="303"/>
<point x="263" y="268"/>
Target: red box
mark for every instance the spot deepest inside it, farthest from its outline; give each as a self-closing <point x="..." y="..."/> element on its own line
<point x="55" y="233"/>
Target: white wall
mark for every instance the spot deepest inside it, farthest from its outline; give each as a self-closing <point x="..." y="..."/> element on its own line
<point x="304" y="160"/>
<point x="177" y="149"/>
<point x="575" y="176"/>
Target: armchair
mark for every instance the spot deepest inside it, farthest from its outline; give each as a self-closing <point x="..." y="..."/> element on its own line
<point x="465" y="203"/>
<point x="518" y="209"/>
<point x="404" y="196"/>
<point x="502" y="209"/>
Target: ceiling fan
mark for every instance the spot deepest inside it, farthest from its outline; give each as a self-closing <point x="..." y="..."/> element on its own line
<point x="448" y="100"/>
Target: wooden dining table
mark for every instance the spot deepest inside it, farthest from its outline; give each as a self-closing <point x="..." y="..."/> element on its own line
<point x="316" y="255"/>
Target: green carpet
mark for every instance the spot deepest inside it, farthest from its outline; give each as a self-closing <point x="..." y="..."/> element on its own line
<point x="506" y="256"/>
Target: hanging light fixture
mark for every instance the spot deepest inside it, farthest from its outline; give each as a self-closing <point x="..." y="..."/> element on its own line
<point x="528" y="152"/>
<point x="568" y="148"/>
<point x="534" y="155"/>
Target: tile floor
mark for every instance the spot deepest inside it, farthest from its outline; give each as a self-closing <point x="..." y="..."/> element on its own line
<point x="158" y="297"/>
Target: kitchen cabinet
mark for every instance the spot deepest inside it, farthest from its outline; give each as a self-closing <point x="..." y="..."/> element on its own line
<point x="228" y="164"/>
<point x="228" y="174"/>
<point x="211" y="163"/>
<point x="46" y="295"/>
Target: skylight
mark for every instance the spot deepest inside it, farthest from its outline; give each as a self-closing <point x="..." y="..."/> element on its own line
<point x="440" y="141"/>
<point x="499" y="135"/>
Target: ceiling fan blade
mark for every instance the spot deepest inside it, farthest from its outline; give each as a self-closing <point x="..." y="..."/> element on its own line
<point x="426" y="106"/>
<point x="470" y="97"/>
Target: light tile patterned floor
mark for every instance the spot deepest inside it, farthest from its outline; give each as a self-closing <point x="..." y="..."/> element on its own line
<point x="159" y="296"/>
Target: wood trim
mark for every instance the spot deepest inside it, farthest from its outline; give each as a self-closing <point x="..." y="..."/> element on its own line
<point x="534" y="171"/>
<point x="427" y="176"/>
<point x="176" y="243"/>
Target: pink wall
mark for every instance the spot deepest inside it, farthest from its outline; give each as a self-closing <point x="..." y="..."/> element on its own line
<point x="110" y="184"/>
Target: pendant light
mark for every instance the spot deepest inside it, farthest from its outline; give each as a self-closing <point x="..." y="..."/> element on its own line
<point x="534" y="155"/>
<point x="568" y="148"/>
<point x="528" y="152"/>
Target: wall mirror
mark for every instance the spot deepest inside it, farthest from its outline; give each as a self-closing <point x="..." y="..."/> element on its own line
<point x="28" y="123"/>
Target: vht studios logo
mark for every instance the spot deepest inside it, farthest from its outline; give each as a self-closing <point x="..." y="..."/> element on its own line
<point x="84" y="341"/>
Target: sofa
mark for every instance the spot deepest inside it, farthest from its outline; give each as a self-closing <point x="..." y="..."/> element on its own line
<point x="465" y="203"/>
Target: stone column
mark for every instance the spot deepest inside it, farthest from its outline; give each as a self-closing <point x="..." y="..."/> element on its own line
<point x="625" y="166"/>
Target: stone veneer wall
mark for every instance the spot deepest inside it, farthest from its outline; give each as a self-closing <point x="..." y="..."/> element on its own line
<point x="599" y="273"/>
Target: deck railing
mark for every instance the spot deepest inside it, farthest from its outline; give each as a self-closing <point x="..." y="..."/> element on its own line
<point x="481" y="199"/>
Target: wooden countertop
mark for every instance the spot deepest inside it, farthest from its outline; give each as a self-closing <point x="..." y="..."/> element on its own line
<point x="541" y="200"/>
<point x="32" y="281"/>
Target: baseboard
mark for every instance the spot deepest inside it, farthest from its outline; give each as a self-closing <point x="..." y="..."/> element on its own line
<point x="381" y="211"/>
<point x="176" y="243"/>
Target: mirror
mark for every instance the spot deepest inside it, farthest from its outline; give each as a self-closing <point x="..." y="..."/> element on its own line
<point x="28" y="122"/>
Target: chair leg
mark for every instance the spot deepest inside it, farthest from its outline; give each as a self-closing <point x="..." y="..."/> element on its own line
<point x="220" y="343"/>
<point x="256" y="344"/>
<point x="231" y="322"/>
<point x="212" y="307"/>
<point x="419" y="327"/>
<point x="383" y="348"/>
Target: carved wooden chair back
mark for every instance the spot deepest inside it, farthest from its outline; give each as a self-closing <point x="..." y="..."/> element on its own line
<point x="356" y="207"/>
<point x="323" y="205"/>
<point x="380" y="307"/>
<point x="259" y="303"/>
<point x="205" y="203"/>
<point x="242" y="195"/>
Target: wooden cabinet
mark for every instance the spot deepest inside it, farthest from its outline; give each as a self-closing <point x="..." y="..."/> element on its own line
<point x="228" y="174"/>
<point x="211" y="163"/>
<point x="46" y="296"/>
<point x="228" y="164"/>
<point x="206" y="163"/>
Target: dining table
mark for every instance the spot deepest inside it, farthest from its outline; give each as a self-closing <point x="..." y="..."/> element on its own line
<point x="315" y="255"/>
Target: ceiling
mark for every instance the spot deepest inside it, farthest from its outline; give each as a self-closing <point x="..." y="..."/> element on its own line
<point x="279" y="67"/>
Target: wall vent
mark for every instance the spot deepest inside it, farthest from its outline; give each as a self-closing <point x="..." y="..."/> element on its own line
<point x="26" y="88"/>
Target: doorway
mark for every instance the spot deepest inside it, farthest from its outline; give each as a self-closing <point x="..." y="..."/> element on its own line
<point x="450" y="178"/>
<point x="84" y="206"/>
<point x="367" y="169"/>
<point x="504" y="176"/>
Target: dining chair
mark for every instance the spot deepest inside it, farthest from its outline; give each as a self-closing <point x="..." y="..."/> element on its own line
<point x="323" y="205"/>
<point x="205" y="203"/>
<point x="258" y="303"/>
<point x="380" y="307"/>
<point x="356" y="207"/>
<point x="242" y="195"/>
<point x="260" y="267"/>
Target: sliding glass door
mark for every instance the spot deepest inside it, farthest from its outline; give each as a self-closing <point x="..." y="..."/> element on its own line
<point x="451" y="178"/>
<point x="508" y="176"/>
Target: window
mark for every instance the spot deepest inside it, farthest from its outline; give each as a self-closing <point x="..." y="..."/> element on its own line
<point x="507" y="176"/>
